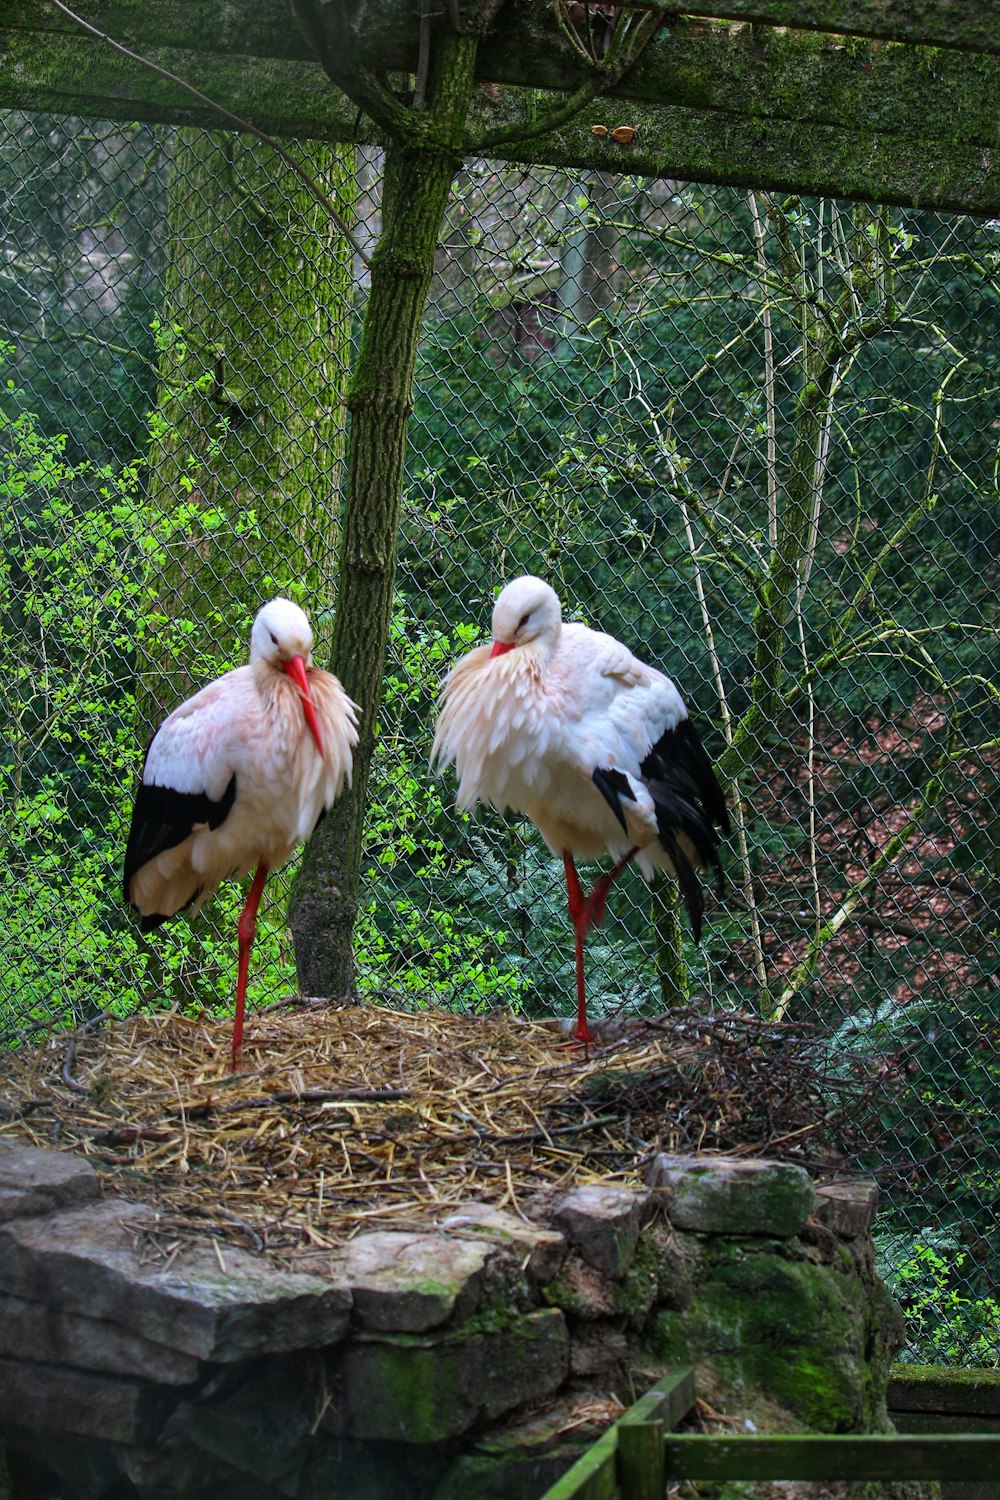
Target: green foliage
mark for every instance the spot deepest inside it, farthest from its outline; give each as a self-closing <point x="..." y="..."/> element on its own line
<point x="925" y="1273"/>
<point x="77" y="584"/>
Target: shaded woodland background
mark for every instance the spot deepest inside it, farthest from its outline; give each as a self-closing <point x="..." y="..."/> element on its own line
<point x="641" y="390"/>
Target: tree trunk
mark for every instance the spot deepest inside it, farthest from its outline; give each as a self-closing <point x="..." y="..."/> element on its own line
<point x="417" y="182"/>
<point x="671" y="965"/>
<point x="248" y="454"/>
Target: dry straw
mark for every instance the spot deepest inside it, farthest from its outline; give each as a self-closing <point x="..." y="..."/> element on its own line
<point x="350" y="1117"/>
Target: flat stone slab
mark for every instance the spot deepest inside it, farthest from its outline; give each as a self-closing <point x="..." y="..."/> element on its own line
<point x="408" y="1283"/>
<point x="733" y="1195"/>
<point x="215" y="1307"/>
<point x="36" y="1181"/>
<point x="426" y="1390"/>
<point x="603" y="1224"/>
<point x="848" y="1208"/>
<point x="540" y="1251"/>
<point x="36" y="1331"/>
<point x="48" y="1398"/>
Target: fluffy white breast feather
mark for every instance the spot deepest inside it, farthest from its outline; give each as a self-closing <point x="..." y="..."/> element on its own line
<point x="525" y="728"/>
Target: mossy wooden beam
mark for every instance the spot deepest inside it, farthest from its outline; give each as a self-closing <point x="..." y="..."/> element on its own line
<point x="79" y="75"/>
<point x="868" y="1457"/>
<point x="941" y="1388"/>
<point x="773" y="74"/>
<point x="767" y="121"/>
<point x="968" y="24"/>
<point x="596" y="1474"/>
<point x="759" y="71"/>
<point x="741" y="151"/>
<point x="261" y="26"/>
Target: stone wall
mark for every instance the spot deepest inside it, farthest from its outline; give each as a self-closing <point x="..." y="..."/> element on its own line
<point x="472" y="1361"/>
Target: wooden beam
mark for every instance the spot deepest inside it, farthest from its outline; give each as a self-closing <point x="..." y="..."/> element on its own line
<point x="743" y="71"/>
<point x="708" y="65"/>
<point x="736" y="151"/>
<point x="762" y="73"/>
<point x="80" y="76"/>
<point x="881" y="1456"/>
<point x="263" y="27"/>
<point x="740" y="107"/>
<point x="972" y="25"/>
<point x="289" y="99"/>
<point x="944" y="1389"/>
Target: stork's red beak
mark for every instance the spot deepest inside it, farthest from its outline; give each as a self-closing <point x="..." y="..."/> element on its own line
<point x="296" y="670"/>
<point x="499" y="647"/>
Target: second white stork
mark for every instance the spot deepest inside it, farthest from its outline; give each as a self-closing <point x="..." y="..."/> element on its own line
<point x="563" y="724"/>
<point x="235" y="778"/>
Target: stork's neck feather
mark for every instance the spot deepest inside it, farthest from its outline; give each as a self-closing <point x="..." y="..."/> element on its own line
<point x="524" y="665"/>
<point x="485" y="702"/>
<point x="537" y="652"/>
<point x="267" y="679"/>
<point x="278" y="693"/>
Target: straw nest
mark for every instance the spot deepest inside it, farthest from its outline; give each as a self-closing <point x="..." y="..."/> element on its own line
<point x="348" y="1118"/>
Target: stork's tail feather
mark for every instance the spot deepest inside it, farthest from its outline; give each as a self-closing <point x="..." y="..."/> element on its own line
<point x="687" y="880"/>
<point x="154" y="920"/>
<point x="689" y="802"/>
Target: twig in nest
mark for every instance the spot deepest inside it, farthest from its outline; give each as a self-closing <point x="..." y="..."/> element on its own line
<point x="20" y="1111"/>
<point x="289" y="1096"/>
<point x="66" y="1073"/>
<point x="543" y="1135"/>
<point x="127" y="1135"/>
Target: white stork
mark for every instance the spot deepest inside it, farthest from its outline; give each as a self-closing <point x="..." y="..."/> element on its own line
<point x="565" y="725"/>
<point x="236" y="777"/>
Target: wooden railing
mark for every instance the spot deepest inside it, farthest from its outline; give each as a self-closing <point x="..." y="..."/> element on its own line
<point x="636" y="1457"/>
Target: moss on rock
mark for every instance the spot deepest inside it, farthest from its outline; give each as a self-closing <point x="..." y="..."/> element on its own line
<point x="792" y="1329"/>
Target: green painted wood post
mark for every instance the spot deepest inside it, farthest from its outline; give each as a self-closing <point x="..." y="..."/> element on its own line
<point x="597" y="1474"/>
<point x="641" y="1471"/>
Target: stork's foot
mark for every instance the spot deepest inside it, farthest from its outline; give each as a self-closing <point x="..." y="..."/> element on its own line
<point x="581" y="1035"/>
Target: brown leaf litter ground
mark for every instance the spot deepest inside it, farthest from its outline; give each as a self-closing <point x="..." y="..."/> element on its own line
<point x="347" y="1117"/>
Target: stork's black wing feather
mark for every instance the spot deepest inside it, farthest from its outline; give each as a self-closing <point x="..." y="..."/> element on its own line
<point x="688" y="799"/>
<point x="680" y="761"/>
<point x="613" y="786"/>
<point x="162" y="818"/>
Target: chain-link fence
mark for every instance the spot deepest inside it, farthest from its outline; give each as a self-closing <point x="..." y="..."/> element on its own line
<point x="757" y="438"/>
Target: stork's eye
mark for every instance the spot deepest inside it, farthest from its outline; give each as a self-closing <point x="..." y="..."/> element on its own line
<point x="524" y="620"/>
<point x="274" y="638"/>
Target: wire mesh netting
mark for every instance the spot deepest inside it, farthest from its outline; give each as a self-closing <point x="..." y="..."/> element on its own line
<point x="755" y="437"/>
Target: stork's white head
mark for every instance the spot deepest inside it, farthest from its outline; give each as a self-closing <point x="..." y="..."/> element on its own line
<point x="282" y="639"/>
<point x="280" y="633"/>
<point x="527" y="611"/>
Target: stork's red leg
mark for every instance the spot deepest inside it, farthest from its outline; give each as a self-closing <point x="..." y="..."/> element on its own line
<point x="588" y="911"/>
<point x="599" y="895"/>
<point x="245" y="932"/>
<point x="579" y="915"/>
